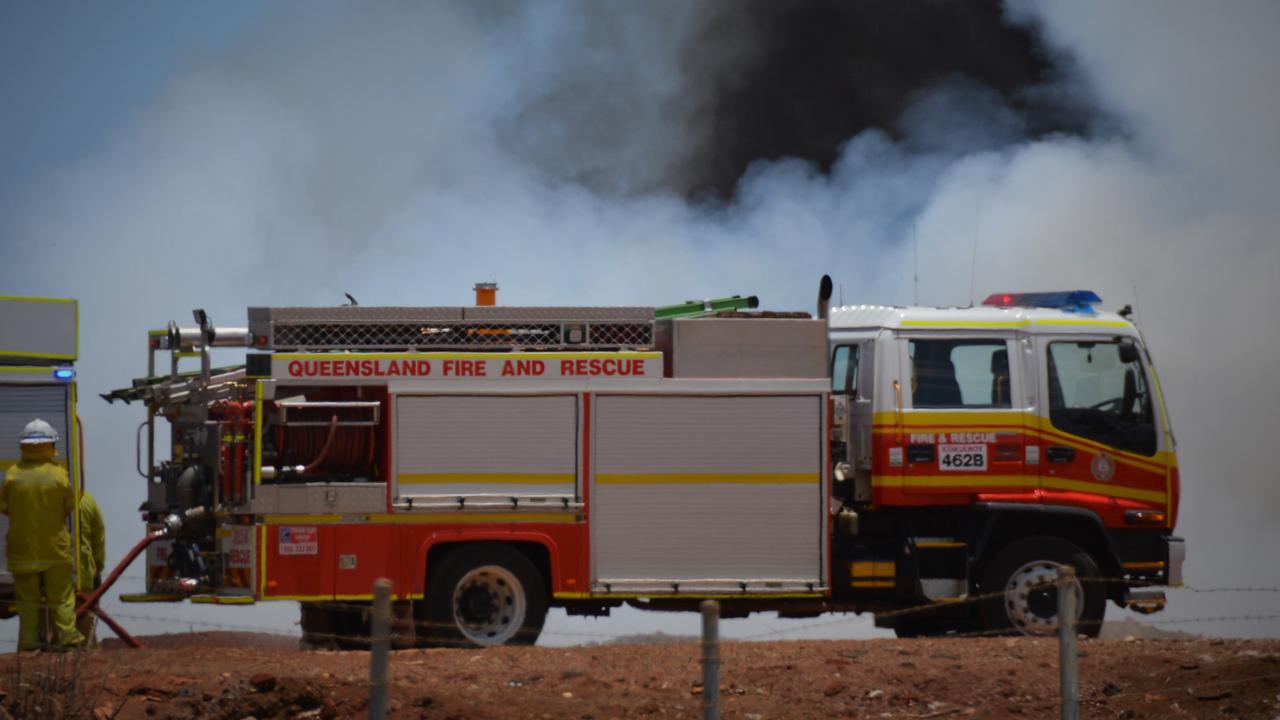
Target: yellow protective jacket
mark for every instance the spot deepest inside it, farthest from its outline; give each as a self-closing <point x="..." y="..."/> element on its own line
<point x="93" y="541"/>
<point x="37" y="497"/>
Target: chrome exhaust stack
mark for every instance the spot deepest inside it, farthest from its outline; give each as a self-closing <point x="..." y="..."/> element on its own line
<point x="824" y="297"/>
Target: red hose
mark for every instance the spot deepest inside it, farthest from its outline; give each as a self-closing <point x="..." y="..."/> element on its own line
<point x="120" y="632"/>
<point x="324" y="452"/>
<point x="92" y="601"/>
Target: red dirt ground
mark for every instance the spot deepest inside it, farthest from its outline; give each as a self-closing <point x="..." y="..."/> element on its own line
<point x="237" y="675"/>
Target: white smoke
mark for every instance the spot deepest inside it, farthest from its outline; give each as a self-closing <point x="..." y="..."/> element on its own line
<point x="402" y="153"/>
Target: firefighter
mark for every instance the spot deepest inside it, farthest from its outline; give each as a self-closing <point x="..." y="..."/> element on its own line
<point x="37" y="497"/>
<point x="93" y="559"/>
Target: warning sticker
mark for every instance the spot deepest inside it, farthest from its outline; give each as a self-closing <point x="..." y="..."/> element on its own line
<point x="240" y="547"/>
<point x="158" y="553"/>
<point x="295" y="540"/>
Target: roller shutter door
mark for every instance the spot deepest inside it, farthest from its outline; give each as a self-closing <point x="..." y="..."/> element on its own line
<point x="708" y="491"/>
<point x="453" y="445"/>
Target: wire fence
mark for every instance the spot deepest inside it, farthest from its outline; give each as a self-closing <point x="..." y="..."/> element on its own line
<point x="794" y="627"/>
<point x="349" y="629"/>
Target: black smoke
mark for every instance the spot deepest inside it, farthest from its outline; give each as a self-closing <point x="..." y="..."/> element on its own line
<point x="798" y="79"/>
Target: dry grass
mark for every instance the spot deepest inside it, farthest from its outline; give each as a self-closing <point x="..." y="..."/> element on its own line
<point x="50" y="685"/>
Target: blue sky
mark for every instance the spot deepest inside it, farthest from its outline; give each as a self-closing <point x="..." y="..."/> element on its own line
<point x="73" y="74"/>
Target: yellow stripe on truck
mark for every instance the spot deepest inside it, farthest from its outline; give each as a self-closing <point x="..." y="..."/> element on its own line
<point x="1049" y="482"/>
<point x="872" y="568"/>
<point x="809" y="478"/>
<point x="1004" y="324"/>
<point x="1120" y="491"/>
<point x="957" y="480"/>
<point x="886" y="423"/>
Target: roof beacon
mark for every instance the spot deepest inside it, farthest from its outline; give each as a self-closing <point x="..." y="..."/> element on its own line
<point x="1068" y="300"/>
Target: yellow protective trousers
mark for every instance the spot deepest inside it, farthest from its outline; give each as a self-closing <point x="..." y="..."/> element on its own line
<point x="53" y="587"/>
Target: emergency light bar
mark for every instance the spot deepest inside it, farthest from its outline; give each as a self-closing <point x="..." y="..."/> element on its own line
<point x="1069" y="300"/>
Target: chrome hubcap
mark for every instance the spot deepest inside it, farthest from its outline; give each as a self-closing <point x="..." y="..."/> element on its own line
<point x="489" y="605"/>
<point x="1031" y="598"/>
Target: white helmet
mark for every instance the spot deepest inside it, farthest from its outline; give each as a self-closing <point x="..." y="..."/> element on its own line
<point x="36" y="432"/>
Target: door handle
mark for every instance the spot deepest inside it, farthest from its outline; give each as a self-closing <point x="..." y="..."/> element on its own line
<point x="1061" y="454"/>
<point x="920" y="453"/>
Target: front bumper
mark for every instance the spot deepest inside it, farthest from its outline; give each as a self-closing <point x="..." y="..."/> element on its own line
<point x="1148" y="557"/>
<point x="1143" y="597"/>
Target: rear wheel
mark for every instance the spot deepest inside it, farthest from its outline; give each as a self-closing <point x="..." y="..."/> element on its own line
<point x="484" y="594"/>
<point x="321" y="624"/>
<point x="1022" y="581"/>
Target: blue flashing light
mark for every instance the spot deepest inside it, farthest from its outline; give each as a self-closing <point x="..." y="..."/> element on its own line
<point x="64" y="373"/>
<point x="1068" y="300"/>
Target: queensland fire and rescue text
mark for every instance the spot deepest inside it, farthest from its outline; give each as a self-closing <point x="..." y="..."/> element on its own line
<point x="468" y="368"/>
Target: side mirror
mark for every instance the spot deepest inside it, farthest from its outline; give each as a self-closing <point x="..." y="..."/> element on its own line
<point x="1128" y="352"/>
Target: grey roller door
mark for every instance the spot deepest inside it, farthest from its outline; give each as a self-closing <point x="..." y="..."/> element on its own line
<point x="708" y="491"/>
<point x="456" y="445"/>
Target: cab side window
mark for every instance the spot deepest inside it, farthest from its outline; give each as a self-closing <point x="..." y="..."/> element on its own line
<point x="959" y="374"/>
<point x="844" y="370"/>
<point x="1097" y="390"/>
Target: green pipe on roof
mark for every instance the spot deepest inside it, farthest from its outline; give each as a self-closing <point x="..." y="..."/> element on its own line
<point x="699" y="308"/>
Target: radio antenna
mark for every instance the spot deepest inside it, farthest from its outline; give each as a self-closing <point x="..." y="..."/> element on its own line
<point x="973" y="255"/>
<point x="915" y="266"/>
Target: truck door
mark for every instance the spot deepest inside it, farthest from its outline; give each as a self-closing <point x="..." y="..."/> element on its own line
<point x="853" y="390"/>
<point x="1099" y="442"/>
<point x="708" y="493"/>
<point x="962" y="416"/>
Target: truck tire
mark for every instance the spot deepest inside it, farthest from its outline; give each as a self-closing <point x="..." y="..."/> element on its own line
<point x="484" y="594"/>
<point x="317" y="627"/>
<point x="1023" y="595"/>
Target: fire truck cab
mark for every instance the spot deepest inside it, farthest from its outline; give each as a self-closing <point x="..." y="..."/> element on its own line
<point x="494" y="462"/>
<point x="978" y="448"/>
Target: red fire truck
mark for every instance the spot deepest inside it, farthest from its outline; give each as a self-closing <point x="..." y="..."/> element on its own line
<point x="494" y="462"/>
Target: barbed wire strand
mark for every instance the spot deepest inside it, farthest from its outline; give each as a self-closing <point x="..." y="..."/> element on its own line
<point x="923" y="609"/>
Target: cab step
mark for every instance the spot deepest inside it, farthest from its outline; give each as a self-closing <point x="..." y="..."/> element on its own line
<point x="151" y="598"/>
<point x="223" y="599"/>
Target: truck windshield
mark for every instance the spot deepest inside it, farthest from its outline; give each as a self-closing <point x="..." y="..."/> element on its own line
<point x="1095" y="394"/>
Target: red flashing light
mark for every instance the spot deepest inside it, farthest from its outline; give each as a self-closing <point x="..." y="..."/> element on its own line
<point x="1070" y="300"/>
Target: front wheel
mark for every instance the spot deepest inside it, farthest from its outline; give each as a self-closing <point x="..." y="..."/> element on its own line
<point x="485" y="594"/>
<point x="1022" y="584"/>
